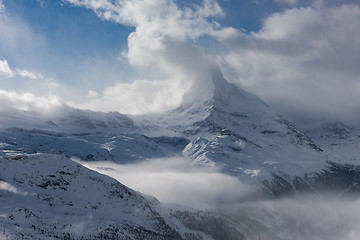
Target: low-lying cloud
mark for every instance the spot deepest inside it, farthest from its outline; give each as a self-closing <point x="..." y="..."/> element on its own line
<point x="302" y="217"/>
<point x="174" y="180"/>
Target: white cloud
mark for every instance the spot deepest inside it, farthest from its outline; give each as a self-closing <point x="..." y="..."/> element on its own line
<point x="163" y="40"/>
<point x="29" y="102"/>
<point x="5" y="70"/>
<point x="26" y="74"/>
<point x="4" y="186"/>
<point x="138" y="97"/>
<point x="305" y="58"/>
<point x="17" y="38"/>
<point x="93" y="94"/>
<point x="302" y="57"/>
<point x="303" y="217"/>
<point x="175" y="180"/>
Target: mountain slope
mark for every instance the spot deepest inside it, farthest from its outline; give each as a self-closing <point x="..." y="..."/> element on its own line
<point x="237" y="132"/>
<point x="217" y="126"/>
<point x="48" y="196"/>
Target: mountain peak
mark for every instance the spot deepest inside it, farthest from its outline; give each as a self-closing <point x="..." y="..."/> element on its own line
<point x="220" y="95"/>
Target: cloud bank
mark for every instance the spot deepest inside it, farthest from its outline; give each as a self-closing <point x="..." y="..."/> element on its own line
<point x="303" y="217"/>
<point x="174" y="180"/>
<point x="303" y="59"/>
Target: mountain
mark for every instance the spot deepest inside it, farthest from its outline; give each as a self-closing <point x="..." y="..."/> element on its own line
<point x="46" y="193"/>
<point x="218" y="126"/>
<point x="46" y="196"/>
<point x="236" y="131"/>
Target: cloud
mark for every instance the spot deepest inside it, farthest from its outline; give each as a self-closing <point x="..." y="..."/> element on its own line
<point x="138" y="97"/>
<point x="6" y="71"/>
<point x="163" y="40"/>
<point x="18" y="39"/>
<point x="174" y="180"/>
<point x="4" y="186"/>
<point x="26" y="74"/>
<point x="303" y="59"/>
<point x="158" y="24"/>
<point x="288" y="2"/>
<point x="29" y="102"/>
<point x="303" y="217"/>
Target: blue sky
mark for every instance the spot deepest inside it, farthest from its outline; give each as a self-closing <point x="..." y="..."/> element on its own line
<point x="140" y="56"/>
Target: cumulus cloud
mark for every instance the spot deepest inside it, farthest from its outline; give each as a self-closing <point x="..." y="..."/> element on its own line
<point x="164" y="41"/>
<point x="303" y="58"/>
<point x="174" y="180"/>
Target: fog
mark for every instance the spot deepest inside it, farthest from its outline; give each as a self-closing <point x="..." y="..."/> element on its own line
<point x="303" y="217"/>
<point x="174" y="180"/>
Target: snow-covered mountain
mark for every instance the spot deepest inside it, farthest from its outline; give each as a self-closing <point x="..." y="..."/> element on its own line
<point x="217" y="126"/>
<point x="45" y="194"/>
<point x="238" y="132"/>
<point x="49" y="197"/>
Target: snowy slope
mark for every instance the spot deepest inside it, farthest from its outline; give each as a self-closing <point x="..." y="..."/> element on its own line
<point x="340" y="141"/>
<point x="122" y="148"/>
<point x="237" y="132"/>
<point x="48" y="196"/>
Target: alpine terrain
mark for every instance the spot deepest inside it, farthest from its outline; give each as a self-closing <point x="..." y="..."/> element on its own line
<point x="46" y="193"/>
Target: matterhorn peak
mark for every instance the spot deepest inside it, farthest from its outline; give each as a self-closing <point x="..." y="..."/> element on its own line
<point x="218" y="94"/>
